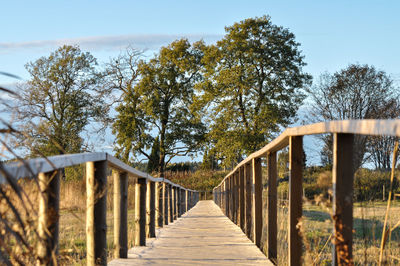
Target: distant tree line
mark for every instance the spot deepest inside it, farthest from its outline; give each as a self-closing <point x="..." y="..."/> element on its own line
<point x="223" y="100"/>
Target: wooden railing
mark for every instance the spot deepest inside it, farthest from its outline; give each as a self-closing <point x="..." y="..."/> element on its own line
<point x="158" y="202"/>
<point x="239" y="195"/>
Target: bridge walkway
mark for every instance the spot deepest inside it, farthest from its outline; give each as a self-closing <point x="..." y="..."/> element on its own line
<point x="202" y="236"/>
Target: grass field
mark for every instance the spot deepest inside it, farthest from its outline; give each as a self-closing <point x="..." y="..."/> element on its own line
<point x="317" y="227"/>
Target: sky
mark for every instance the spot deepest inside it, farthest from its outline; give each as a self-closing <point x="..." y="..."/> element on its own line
<point x="332" y="34"/>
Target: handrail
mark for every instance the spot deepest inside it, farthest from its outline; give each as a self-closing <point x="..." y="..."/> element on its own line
<point x="239" y="194"/>
<point x="158" y="201"/>
<point x="32" y="167"/>
<point x="372" y="127"/>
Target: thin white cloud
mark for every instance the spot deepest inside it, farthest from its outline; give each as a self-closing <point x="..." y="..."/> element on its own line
<point x="139" y="41"/>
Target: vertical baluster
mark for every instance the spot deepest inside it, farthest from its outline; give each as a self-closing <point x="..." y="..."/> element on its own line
<point x="257" y="201"/>
<point x="241" y="198"/>
<point x="96" y="207"/>
<point x="159" y="204"/>
<point x="165" y="202"/>
<point x="48" y="224"/>
<point x="140" y="212"/>
<point x="171" y="204"/>
<point x="152" y="211"/>
<point x="248" y="189"/>
<point x="271" y="219"/>
<point x="295" y="198"/>
<point x="342" y="179"/>
<point x="120" y="214"/>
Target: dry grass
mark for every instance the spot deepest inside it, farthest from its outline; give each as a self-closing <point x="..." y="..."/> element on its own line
<point x="317" y="226"/>
<point x="72" y="221"/>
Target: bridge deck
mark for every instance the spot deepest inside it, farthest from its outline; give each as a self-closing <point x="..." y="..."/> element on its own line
<point x="202" y="236"/>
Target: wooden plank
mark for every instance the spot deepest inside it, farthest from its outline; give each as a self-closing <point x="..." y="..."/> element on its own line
<point x="241" y="199"/>
<point x="140" y="212"/>
<point x="204" y="237"/>
<point x="272" y="202"/>
<point x="248" y="196"/>
<point x="96" y="207"/>
<point x="295" y="199"/>
<point x="49" y="213"/>
<point x="257" y="201"/>
<point x="342" y="179"/>
<point x="120" y="214"/>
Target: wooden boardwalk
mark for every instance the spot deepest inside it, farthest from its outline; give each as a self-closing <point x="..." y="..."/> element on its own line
<point x="202" y="236"/>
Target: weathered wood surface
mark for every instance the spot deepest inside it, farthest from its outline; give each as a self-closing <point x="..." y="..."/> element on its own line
<point x="202" y="236"/>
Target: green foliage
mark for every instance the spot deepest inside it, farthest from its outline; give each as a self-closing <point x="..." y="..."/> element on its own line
<point x="160" y="105"/>
<point x="368" y="184"/>
<point x="202" y="180"/>
<point x="59" y="101"/>
<point x="182" y="167"/>
<point x="209" y="161"/>
<point x="252" y="86"/>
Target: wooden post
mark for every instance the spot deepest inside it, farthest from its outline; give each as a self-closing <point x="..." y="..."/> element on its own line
<point x="342" y="179"/>
<point x="187" y="207"/>
<point x="48" y="224"/>
<point x="178" y="201"/>
<point x="257" y="202"/>
<point x="226" y="197"/>
<point x="148" y="199"/>
<point x="236" y="197"/>
<point x="295" y="199"/>
<point x="120" y="214"/>
<point x="171" y="204"/>
<point x="96" y="207"/>
<point x="165" y="202"/>
<point x="140" y="212"/>
<point x="241" y="198"/>
<point x="152" y="221"/>
<point x="248" y="196"/>
<point x="159" y="204"/>
<point x="272" y="215"/>
<point x="230" y="179"/>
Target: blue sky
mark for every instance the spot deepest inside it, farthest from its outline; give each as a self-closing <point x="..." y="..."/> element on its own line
<point x="332" y="34"/>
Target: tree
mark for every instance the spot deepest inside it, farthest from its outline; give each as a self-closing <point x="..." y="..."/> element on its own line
<point x="59" y="101"/>
<point x="159" y="105"/>
<point x="252" y="87"/>
<point x="380" y="148"/>
<point x="356" y="92"/>
<point x="152" y="165"/>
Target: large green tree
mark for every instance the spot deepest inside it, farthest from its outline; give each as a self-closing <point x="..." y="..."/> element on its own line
<point x="159" y="106"/>
<point x="253" y="86"/>
<point x="59" y="100"/>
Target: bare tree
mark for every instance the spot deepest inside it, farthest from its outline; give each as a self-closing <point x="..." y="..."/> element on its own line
<point x="356" y="92"/>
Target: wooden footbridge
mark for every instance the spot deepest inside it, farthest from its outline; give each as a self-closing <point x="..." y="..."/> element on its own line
<point x="173" y="228"/>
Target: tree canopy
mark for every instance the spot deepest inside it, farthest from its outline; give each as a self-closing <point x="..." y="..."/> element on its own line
<point x="59" y="101"/>
<point x="356" y="92"/>
<point x="159" y="106"/>
<point x="253" y="86"/>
